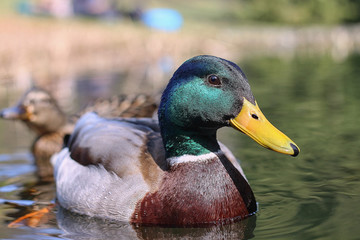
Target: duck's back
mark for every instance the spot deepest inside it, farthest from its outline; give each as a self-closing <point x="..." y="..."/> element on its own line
<point x="110" y="165"/>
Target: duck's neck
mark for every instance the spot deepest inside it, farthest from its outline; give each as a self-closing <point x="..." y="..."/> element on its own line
<point x="55" y="120"/>
<point x="180" y="142"/>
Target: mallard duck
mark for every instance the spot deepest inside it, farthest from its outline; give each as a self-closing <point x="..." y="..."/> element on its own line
<point x="172" y="171"/>
<point x="42" y="114"/>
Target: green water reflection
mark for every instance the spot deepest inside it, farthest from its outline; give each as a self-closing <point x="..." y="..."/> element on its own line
<point x="315" y="101"/>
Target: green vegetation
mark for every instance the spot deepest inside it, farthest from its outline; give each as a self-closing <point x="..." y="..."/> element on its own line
<point x="235" y="12"/>
<point x="298" y="12"/>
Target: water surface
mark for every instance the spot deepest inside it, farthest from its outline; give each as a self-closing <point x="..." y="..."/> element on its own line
<point x="314" y="100"/>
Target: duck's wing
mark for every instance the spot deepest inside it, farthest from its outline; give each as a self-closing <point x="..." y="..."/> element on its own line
<point x="108" y="165"/>
<point x="128" y="106"/>
<point x="120" y="145"/>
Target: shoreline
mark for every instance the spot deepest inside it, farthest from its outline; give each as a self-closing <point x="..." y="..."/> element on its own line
<point x="48" y="49"/>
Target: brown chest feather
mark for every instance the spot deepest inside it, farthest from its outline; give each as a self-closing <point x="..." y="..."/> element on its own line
<point x="193" y="194"/>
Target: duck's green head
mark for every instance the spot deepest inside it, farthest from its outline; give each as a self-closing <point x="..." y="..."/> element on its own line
<point x="207" y="93"/>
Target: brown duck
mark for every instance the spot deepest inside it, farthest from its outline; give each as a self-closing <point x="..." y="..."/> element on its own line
<point x="42" y="114"/>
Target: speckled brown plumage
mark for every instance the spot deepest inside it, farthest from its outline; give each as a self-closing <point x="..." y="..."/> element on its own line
<point x="140" y="105"/>
<point x="41" y="113"/>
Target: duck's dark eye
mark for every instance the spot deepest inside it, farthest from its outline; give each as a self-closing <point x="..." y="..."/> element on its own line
<point x="214" y="80"/>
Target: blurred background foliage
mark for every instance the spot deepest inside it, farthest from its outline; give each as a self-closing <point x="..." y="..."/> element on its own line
<point x="295" y="12"/>
<point x="300" y="11"/>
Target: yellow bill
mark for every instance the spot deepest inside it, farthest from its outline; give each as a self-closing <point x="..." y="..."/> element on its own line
<point x="253" y="123"/>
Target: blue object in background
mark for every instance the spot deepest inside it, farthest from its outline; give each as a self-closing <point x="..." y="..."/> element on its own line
<point x="23" y="7"/>
<point x="163" y="19"/>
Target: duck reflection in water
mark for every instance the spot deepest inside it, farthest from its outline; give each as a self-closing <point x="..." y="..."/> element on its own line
<point x="76" y="226"/>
